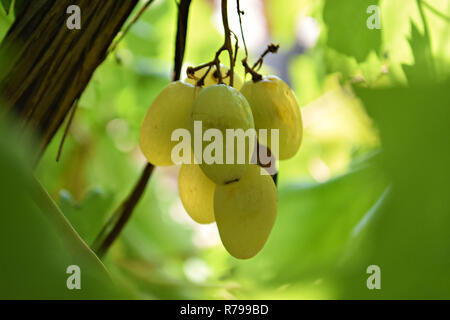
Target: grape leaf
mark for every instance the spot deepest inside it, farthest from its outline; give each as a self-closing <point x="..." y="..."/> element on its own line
<point x="347" y="28"/>
<point x="88" y="216"/>
<point x="6" y="5"/>
<point x="423" y="69"/>
<point x="37" y="244"/>
<point x="408" y="235"/>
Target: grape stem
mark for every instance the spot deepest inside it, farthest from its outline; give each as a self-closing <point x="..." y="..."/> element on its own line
<point x="227" y="46"/>
<point x="66" y="130"/>
<point x="271" y="48"/>
<point x="240" y="14"/>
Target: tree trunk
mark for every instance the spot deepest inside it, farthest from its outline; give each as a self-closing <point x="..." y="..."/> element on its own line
<point x="44" y="66"/>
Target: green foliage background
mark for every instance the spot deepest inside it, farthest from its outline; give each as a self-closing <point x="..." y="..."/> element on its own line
<point x="370" y="184"/>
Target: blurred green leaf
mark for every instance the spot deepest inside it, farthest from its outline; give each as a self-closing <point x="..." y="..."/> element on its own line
<point x="371" y="69"/>
<point x="423" y="69"/>
<point x="399" y="19"/>
<point x="5" y="22"/>
<point x="88" y="216"/>
<point x="6" y="5"/>
<point x="309" y="82"/>
<point x="37" y="244"/>
<point x="408" y="235"/>
<point x="348" y="33"/>
<point x="340" y="63"/>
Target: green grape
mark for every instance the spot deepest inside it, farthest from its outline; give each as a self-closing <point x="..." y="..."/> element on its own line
<point x="222" y="107"/>
<point x="245" y="212"/>
<point x="169" y="111"/>
<point x="196" y="193"/>
<point x="211" y="78"/>
<point x="275" y="106"/>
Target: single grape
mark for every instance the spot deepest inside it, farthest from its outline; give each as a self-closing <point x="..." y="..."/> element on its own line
<point x="169" y="111"/>
<point x="275" y="106"/>
<point x="196" y="193"/>
<point x="245" y="212"/>
<point x="222" y="107"/>
<point x="212" y="78"/>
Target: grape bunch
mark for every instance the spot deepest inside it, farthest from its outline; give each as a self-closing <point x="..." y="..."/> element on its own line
<point x="242" y="201"/>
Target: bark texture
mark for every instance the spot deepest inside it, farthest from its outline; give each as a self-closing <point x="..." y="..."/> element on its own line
<point x="44" y="66"/>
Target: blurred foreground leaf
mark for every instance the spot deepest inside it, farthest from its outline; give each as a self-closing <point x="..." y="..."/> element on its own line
<point x="88" y="216"/>
<point x="37" y="243"/>
<point x="408" y="235"/>
<point x="6" y="5"/>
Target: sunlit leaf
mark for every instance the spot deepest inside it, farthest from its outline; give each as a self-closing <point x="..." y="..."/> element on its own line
<point x="423" y="69"/>
<point x="348" y="32"/>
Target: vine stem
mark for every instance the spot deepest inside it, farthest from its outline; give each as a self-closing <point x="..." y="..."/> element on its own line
<point x="110" y="50"/>
<point x="117" y="222"/>
<point x="272" y="48"/>
<point x="227" y="45"/>
<point x="240" y="13"/>
<point x="66" y="130"/>
<point x="128" y="27"/>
